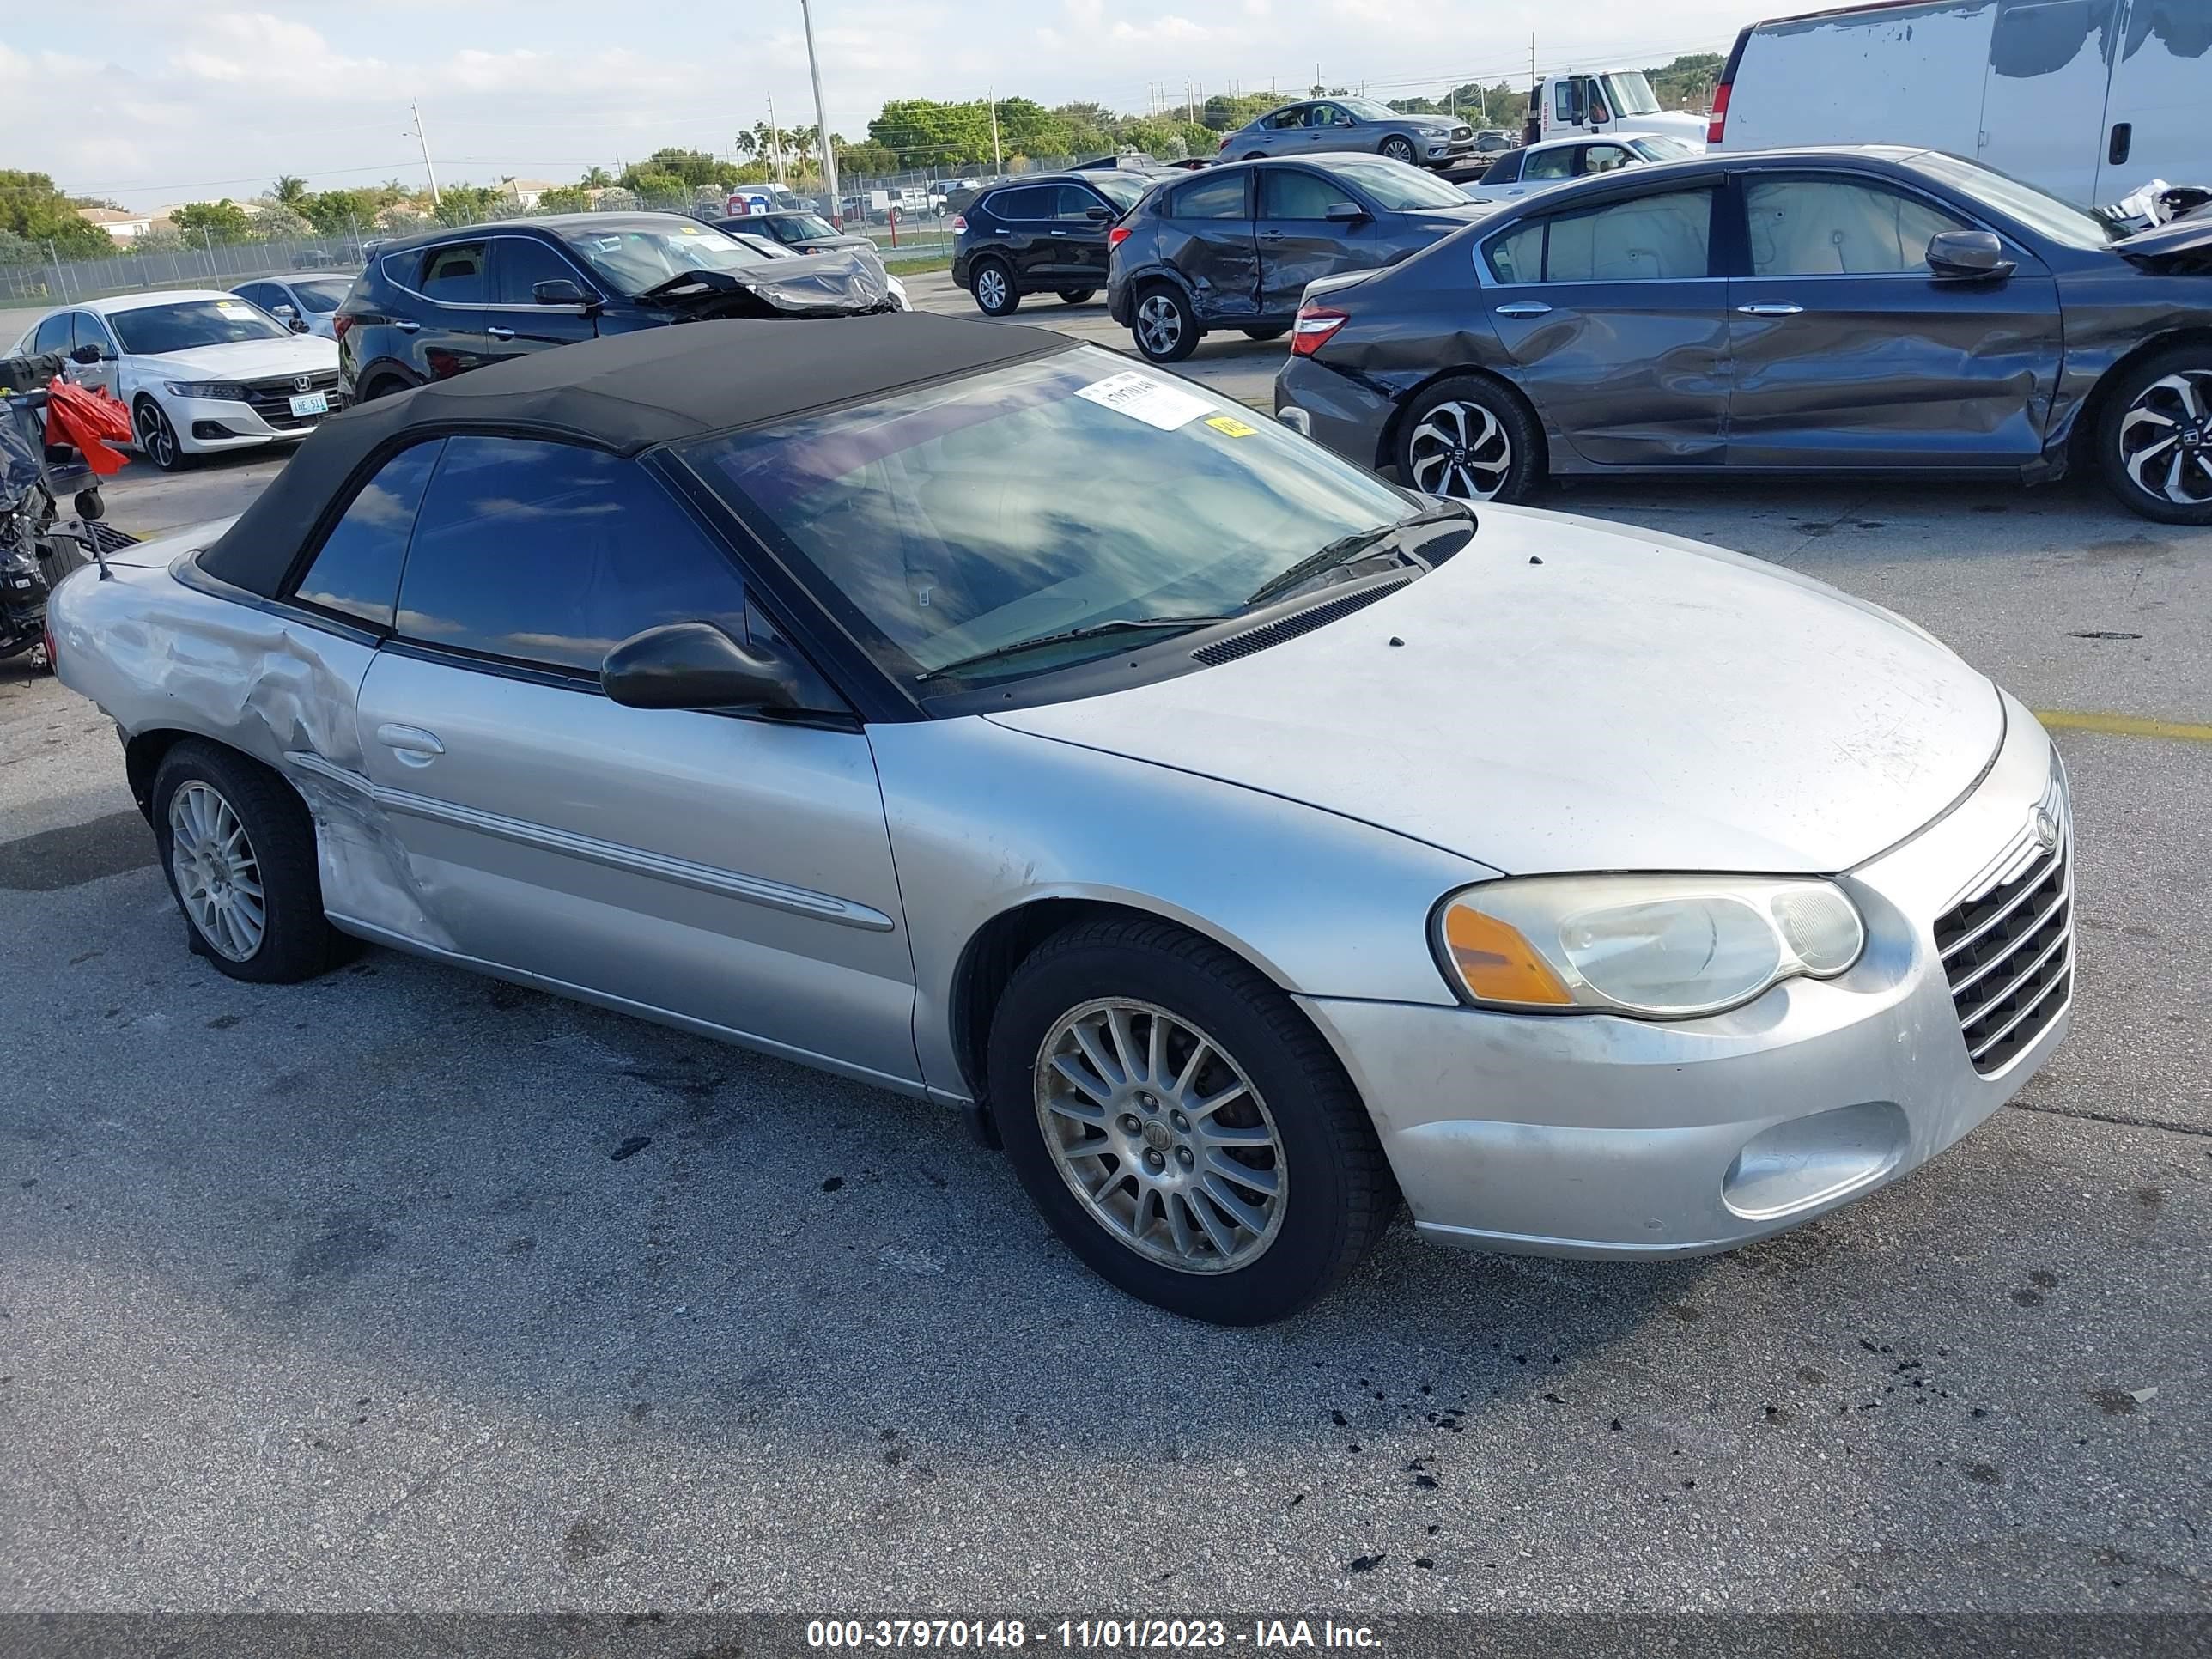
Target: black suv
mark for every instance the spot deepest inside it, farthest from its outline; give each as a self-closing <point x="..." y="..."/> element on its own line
<point x="1235" y="246"/>
<point x="1045" y="235"/>
<point x="437" y="305"/>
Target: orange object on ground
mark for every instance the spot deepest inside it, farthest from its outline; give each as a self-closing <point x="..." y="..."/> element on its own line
<point x="89" y="419"/>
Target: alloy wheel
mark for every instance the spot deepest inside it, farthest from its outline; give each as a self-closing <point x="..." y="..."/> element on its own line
<point x="1159" y="324"/>
<point x="217" y="874"/>
<point x="1460" y="450"/>
<point x="2166" y="438"/>
<point x="991" y="287"/>
<point x="156" y="436"/>
<point x="1398" y="150"/>
<point x="1161" y="1136"/>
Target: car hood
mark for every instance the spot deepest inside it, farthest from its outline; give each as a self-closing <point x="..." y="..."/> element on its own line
<point x="1570" y="695"/>
<point x="245" y="359"/>
<point x="1429" y="123"/>
<point x="1444" y="220"/>
<point x="843" y="282"/>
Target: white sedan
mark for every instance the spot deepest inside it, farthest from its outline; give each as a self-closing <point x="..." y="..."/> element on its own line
<point x="1546" y="165"/>
<point x="202" y="370"/>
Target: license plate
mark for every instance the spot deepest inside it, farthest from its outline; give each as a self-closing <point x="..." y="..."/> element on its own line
<point x="310" y="402"/>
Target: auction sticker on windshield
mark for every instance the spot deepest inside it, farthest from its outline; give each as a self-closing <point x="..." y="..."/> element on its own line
<point x="1142" y="397"/>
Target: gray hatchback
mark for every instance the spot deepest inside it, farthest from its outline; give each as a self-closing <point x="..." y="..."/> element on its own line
<point x="1351" y="124"/>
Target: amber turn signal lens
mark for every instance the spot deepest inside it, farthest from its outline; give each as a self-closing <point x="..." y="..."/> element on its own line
<point x="1498" y="964"/>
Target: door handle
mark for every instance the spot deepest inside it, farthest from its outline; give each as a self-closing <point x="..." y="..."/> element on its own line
<point x="1060" y="233"/>
<point x="411" y="743"/>
<point x="404" y="325"/>
<point x="498" y="334"/>
<point x="2123" y="134"/>
<point x="1525" y="308"/>
<point x="1771" y="308"/>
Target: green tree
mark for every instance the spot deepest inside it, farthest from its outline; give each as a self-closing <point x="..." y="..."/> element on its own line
<point x="467" y="204"/>
<point x="924" y="132"/>
<point x="565" y="198"/>
<point x="1226" y="114"/>
<point x="214" y="221"/>
<point x="280" y="223"/>
<point x="36" y="210"/>
<point x="290" y="189"/>
<point x="597" y="179"/>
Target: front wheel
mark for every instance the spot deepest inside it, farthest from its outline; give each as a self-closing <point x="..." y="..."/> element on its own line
<point x="1079" y="296"/>
<point x="157" y="438"/>
<point x="1166" y="327"/>
<point x="238" y="849"/>
<point x="995" y="293"/>
<point x="2154" y="438"/>
<point x="1398" y="149"/>
<point x="1180" y="1125"/>
<point x="1473" y="440"/>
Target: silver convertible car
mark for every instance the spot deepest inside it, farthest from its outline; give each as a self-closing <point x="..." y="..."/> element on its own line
<point x="1246" y="844"/>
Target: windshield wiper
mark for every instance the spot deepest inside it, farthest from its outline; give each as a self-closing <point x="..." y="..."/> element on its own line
<point x="1088" y="631"/>
<point x="1346" y="549"/>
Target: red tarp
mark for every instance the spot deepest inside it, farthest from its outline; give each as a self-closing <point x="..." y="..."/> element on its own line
<point x="89" y="418"/>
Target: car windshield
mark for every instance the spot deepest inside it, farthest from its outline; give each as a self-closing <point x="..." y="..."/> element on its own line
<point x="1367" y="109"/>
<point x="1121" y="189"/>
<point x="2038" y="210"/>
<point x="636" y="259"/>
<point x="1396" y="186"/>
<point x="323" y="295"/>
<point x="1629" y="92"/>
<point x="1037" y="499"/>
<point x="801" y="226"/>
<point x="187" y="325"/>
<point x="1653" y="146"/>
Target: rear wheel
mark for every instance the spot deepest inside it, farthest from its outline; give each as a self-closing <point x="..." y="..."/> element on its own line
<point x="1181" y="1125"/>
<point x="995" y="294"/>
<point x="1471" y="439"/>
<point x="1166" y="327"/>
<point x="1398" y="149"/>
<point x="382" y="385"/>
<point x="238" y="849"/>
<point x="157" y="438"/>
<point x="1078" y="297"/>
<point x="2154" y="437"/>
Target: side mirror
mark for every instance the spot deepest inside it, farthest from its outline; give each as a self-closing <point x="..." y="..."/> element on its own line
<point x="86" y="355"/>
<point x="301" y="325"/>
<point x="283" y="314"/>
<point x="558" y="292"/>
<point x="694" y="665"/>
<point x="1968" y="256"/>
<point x="1097" y="215"/>
<point x="1345" y="213"/>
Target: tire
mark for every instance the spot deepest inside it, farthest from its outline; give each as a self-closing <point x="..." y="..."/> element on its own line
<point x="201" y="790"/>
<point x="1398" y="150"/>
<point x="157" y="438"/>
<point x="1300" y="1125"/>
<point x="2153" y="437"/>
<point x="992" y="280"/>
<point x="1079" y="296"/>
<point x="382" y="385"/>
<point x="1472" y="439"/>
<point x="1272" y="331"/>
<point x="1163" y="326"/>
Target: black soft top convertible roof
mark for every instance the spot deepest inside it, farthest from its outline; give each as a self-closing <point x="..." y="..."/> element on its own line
<point x="625" y="394"/>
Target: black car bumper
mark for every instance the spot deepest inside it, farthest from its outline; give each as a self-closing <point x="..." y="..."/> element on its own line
<point x="1343" y="415"/>
<point x="960" y="267"/>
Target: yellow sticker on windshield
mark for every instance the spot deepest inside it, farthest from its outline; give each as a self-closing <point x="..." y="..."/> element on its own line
<point x="687" y="230"/>
<point x="1230" y="426"/>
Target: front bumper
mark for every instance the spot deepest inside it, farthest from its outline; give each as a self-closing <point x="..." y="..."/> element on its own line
<point x="207" y="425"/>
<point x="1442" y="151"/>
<point x="1597" y="1136"/>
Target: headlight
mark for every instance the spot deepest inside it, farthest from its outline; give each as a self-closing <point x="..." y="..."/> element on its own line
<point x="226" y="391"/>
<point x="1664" y="947"/>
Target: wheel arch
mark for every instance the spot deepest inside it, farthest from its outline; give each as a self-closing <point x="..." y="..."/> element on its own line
<point x="987" y="961"/>
<point x="2079" y="440"/>
<point x="144" y="751"/>
<point x="1386" y="449"/>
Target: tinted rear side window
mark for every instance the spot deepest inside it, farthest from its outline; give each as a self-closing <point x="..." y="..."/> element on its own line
<point x="1212" y="199"/>
<point x="356" y="572"/>
<point x="455" y="275"/>
<point x="1032" y="204"/>
<point x="551" y="554"/>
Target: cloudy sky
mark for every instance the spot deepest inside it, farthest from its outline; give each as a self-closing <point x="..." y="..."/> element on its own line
<point x="156" y="101"/>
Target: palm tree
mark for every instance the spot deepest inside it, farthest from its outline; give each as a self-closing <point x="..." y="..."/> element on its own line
<point x="289" y="190"/>
<point x="598" y="179"/>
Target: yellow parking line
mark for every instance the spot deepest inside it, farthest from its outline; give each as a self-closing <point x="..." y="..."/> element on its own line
<point x="2124" y="726"/>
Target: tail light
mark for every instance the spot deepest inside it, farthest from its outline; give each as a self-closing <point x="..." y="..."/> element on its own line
<point x="1225" y="137"/>
<point x="340" y="326"/>
<point x="1313" y="328"/>
<point x="1116" y="236"/>
<point x="959" y="224"/>
<point x="1720" y="113"/>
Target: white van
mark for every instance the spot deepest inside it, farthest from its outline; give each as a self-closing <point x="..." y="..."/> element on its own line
<point x="2086" y="98"/>
<point x="1605" y="103"/>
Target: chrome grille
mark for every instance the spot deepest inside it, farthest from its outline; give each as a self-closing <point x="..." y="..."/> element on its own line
<point x="2008" y="947"/>
<point x="272" y="399"/>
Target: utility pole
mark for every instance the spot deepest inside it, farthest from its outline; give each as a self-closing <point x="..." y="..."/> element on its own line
<point x="423" y="139"/>
<point x="774" y="142"/>
<point x="990" y="97"/>
<point x="822" y="121"/>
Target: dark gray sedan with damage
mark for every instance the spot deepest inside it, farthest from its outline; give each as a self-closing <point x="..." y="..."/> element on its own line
<point x="1867" y="310"/>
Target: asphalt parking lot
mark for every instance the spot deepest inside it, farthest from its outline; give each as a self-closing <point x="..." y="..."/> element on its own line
<point x="363" y="1294"/>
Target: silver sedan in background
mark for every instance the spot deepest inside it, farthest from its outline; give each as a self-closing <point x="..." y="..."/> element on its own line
<point x="1245" y="855"/>
<point x="1321" y="125"/>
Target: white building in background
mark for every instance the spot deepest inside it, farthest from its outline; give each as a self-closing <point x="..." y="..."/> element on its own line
<point x="124" y="227"/>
